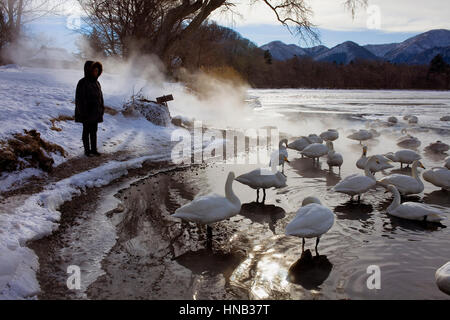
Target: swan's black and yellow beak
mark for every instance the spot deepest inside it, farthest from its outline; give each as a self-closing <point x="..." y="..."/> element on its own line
<point x="286" y="159"/>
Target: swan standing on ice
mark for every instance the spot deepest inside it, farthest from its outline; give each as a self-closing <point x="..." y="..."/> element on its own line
<point x="315" y="151"/>
<point x="406" y="184"/>
<point x="361" y="135"/>
<point x="334" y="159"/>
<point x="412" y="210"/>
<point x="440" y="177"/>
<point x="330" y="135"/>
<point x="442" y="276"/>
<point x="264" y="178"/>
<point x="375" y="167"/>
<point x="403" y="156"/>
<point x="211" y="208"/>
<point x="282" y="154"/>
<point x="311" y="221"/>
<point x="357" y="184"/>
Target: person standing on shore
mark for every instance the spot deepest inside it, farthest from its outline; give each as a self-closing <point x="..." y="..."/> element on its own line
<point x="89" y="106"/>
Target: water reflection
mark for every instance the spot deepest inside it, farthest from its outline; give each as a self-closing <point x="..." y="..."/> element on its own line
<point x="354" y="211"/>
<point x="438" y="197"/>
<point x="310" y="272"/>
<point x="210" y="262"/>
<point x="262" y="213"/>
<point x="307" y="169"/>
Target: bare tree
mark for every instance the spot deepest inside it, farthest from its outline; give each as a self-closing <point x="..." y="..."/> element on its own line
<point x="157" y="25"/>
<point x="15" y="13"/>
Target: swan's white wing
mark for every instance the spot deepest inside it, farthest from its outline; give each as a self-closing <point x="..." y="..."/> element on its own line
<point x="355" y="184"/>
<point x="417" y="211"/>
<point x="262" y="178"/>
<point x="403" y="182"/>
<point x="207" y="209"/>
<point x="311" y="220"/>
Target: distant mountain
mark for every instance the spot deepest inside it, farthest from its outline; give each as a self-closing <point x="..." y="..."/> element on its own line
<point x="380" y="50"/>
<point x="345" y="53"/>
<point x="282" y="51"/>
<point x="419" y="49"/>
<point x="406" y="51"/>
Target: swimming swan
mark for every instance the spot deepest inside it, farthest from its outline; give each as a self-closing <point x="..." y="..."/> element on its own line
<point x="357" y="184"/>
<point x="442" y="276"/>
<point x="440" y="177"/>
<point x="412" y="210"/>
<point x="311" y="221"/>
<point x="211" y="208"/>
<point x="406" y="184"/>
<point x="264" y="178"/>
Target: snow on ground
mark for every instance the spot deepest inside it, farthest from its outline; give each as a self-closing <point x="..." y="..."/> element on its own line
<point x="37" y="217"/>
<point x="30" y="97"/>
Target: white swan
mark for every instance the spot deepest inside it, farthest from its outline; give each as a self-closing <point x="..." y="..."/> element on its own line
<point x="447" y="163"/>
<point x="300" y="144"/>
<point x="412" y="210"/>
<point x="211" y="208"/>
<point x="403" y="156"/>
<point x="438" y="147"/>
<point x="375" y="133"/>
<point x="413" y="119"/>
<point x="330" y="135"/>
<point x="442" y="276"/>
<point x="263" y="178"/>
<point x="281" y="153"/>
<point x="406" y="184"/>
<point x="374" y="167"/>
<point x="314" y="138"/>
<point x="357" y="184"/>
<point x="315" y="151"/>
<point x="311" y="221"/>
<point x="361" y="135"/>
<point x="409" y="141"/>
<point x="334" y="159"/>
<point x="440" y="177"/>
<point x="392" y="120"/>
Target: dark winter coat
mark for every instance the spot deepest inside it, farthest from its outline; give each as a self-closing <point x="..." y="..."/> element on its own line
<point x="89" y="105"/>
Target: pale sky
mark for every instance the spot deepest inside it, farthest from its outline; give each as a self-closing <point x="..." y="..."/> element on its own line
<point x="387" y="21"/>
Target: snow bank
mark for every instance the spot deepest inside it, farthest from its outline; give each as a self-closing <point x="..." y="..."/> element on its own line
<point x="38" y="217"/>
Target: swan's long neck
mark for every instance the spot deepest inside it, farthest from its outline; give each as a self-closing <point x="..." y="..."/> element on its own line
<point x="367" y="171"/>
<point x="396" y="201"/>
<point x="414" y="171"/>
<point x="229" y="193"/>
